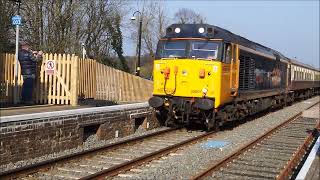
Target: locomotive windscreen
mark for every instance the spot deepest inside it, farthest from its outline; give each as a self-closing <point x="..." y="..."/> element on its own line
<point x="195" y="49"/>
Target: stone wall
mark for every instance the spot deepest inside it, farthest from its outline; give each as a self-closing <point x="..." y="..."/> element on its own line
<point x="30" y="138"/>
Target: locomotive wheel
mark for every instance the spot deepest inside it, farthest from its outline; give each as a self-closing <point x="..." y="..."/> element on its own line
<point x="161" y="116"/>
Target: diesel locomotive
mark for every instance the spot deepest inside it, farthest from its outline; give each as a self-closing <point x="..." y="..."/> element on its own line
<point x="208" y="75"/>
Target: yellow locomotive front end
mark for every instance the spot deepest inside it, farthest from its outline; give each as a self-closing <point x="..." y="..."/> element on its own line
<point x="186" y="78"/>
<point x="190" y="79"/>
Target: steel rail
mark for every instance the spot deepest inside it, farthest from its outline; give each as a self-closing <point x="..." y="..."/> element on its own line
<point x="115" y="170"/>
<point x="33" y="168"/>
<point x="249" y="145"/>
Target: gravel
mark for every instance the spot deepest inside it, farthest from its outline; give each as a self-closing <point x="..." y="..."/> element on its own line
<point x="189" y="161"/>
<point x="90" y="143"/>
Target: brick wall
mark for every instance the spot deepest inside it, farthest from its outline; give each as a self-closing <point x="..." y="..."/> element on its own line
<point x="20" y="140"/>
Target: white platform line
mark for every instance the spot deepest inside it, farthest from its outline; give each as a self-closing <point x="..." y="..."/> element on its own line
<point x="306" y="166"/>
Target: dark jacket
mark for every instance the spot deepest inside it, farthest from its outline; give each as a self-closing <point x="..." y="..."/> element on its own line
<point x="28" y="62"/>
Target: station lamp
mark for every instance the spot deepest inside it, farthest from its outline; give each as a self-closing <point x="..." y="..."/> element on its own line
<point x="139" y="40"/>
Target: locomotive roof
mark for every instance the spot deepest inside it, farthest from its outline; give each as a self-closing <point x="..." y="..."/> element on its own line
<point x="191" y="31"/>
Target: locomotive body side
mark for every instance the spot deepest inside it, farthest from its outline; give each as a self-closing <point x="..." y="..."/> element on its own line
<point x="261" y="75"/>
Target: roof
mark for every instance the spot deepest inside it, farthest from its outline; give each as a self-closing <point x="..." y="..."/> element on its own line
<point x="191" y="30"/>
<point x="298" y="63"/>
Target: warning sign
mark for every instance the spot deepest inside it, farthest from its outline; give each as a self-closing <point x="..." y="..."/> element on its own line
<point x="50" y="67"/>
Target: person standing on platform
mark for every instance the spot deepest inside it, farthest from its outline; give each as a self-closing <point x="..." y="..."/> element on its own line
<point x="28" y="60"/>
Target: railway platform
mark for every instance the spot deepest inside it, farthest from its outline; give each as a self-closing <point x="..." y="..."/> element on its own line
<point x="25" y="130"/>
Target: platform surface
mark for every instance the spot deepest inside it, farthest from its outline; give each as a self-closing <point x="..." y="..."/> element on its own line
<point x="52" y="112"/>
<point x="36" y="109"/>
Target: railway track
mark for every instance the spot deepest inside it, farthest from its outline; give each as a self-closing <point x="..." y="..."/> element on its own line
<point x="274" y="155"/>
<point x="109" y="160"/>
<point x="128" y="156"/>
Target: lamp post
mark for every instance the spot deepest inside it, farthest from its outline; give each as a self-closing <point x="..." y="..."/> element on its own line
<point x="139" y="40"/>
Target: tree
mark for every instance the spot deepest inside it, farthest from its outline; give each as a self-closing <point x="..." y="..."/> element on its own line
<point x="7" y="35"/>
<point x="116" y="42"/>
<point x="60" y="26"/>
<point x="185" y="16"/>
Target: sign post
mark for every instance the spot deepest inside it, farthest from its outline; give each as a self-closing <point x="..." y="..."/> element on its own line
<point x="16" y="20"/>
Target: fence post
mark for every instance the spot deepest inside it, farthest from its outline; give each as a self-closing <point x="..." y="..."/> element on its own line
<point x="74" y="81"/>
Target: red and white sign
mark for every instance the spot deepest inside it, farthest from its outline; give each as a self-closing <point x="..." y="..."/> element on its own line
<point x="50" y="67"/>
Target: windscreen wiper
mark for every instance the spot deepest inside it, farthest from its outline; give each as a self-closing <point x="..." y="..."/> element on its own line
<point x="203" y="59"/>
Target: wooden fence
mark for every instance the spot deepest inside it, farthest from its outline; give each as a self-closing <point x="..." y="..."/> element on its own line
<point x="87" y="78"/>
<point x="59" y="88"/>
<point x="73" y="78"/>
<point x="120" y="86"/>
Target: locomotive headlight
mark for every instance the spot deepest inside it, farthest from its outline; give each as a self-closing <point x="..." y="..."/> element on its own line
<point x="201" y="30"/>
<point x="177" y="30"/>
<point x="166" y="102"/>
<point x="204" y="91"/>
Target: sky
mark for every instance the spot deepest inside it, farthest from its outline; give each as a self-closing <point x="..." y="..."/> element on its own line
<point x="291" y="27"/>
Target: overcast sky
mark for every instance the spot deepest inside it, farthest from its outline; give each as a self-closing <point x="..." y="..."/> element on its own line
<point x="291" y="27"/>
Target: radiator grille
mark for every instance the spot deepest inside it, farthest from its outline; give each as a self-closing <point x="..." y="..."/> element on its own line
<point x="247" y="75"/>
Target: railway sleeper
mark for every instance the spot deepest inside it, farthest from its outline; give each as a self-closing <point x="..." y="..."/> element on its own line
<point x="248" y="173"/>
<point x="261" y="163"/>
<point x="264" y="155"/>
<point x="235" y="177"/>
<point x="270" y="149"/>
<point x="276" y="147"/>
<point x="291" y="145"/>
<point x="281" y="141"/>
<point x="59" y="176"/>
<point x="250" y="167"/>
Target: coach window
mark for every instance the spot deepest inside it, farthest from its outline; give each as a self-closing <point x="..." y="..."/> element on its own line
<point x="227" y="54"/>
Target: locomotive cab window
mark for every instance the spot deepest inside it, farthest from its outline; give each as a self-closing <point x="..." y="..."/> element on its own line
<point x="227" y="53"/>
<point x="204" y="50"/>
<point x="189" y="49"/>
<point x="174" y="49"/>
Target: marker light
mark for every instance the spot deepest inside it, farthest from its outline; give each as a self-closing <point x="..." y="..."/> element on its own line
<point x="201" y="30"/>
<point x="202" y="73"/>
<point x="177" y="30"/>
<point x="167" y="73"/>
